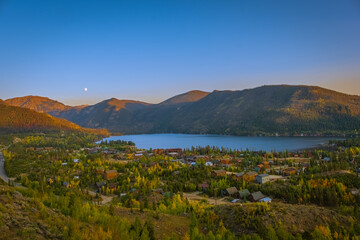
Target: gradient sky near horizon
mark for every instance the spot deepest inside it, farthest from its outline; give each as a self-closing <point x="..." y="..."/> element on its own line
<point x="152" y="50"/>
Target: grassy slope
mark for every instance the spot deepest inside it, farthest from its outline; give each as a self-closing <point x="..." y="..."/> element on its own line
<point x="25" y="218"/>
<point x="165" y="225"/>
<point x="22" y="218"/>
<point x="295" y="218"/>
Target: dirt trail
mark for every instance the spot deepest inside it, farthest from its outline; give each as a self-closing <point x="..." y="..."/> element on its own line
<point x="194" y="196"/>
<point x="105" y="198"/>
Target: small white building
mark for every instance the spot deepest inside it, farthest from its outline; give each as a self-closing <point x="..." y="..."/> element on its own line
<point x="173" y="154"/>
<point x="209" y="164"/>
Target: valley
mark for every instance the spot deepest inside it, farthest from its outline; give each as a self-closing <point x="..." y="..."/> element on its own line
<point x="203" y="192"/>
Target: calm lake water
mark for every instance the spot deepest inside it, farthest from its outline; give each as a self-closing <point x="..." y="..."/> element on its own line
<point x="146" y="141"/>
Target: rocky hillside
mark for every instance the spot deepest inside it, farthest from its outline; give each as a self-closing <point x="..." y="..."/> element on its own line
<point x="23" y="218"/>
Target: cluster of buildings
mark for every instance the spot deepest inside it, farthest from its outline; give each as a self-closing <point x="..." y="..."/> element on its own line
<point x="245" y="195"/>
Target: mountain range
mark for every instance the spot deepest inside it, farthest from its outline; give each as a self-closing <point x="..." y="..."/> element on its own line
<point x="266" y="110"/>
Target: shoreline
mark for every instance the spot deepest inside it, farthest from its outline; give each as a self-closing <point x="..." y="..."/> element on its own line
<point x="182" y="141"/>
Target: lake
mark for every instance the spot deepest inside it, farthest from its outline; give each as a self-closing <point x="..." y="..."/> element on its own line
<point x="147" y="141"/>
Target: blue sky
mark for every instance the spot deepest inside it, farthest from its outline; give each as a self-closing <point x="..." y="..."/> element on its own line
<point x="152" y="50"/>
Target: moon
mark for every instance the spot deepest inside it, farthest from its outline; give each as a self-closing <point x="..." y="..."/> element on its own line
<point x="85" y="89"/>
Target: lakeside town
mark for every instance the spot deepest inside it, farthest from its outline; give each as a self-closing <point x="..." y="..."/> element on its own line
<point x="189" y="183"/>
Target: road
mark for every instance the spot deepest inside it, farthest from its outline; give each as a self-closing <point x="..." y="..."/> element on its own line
<point x="3" y="175"/>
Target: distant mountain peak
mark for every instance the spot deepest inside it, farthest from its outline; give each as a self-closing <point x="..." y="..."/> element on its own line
<point x="37" y="103"/>
<point x="120" y="104"/>
<point x="191" y="96"/>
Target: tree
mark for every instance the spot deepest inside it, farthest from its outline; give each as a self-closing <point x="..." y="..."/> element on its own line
<point x="270" y="234"/>
<point x="144" y="234"/>
<point x="321" y="233"/>
<point x="150" y="228"/>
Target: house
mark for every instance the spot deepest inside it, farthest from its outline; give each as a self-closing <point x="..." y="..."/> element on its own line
<point x="266" y="199"/>
<point x="76" y="160"/>
<point x="289" y="171"/>
<point x="244" y="194"/>
<point x="215" y="162"/>
<point x="134" y="191"/>
<point x="209" y="164"/>
<point x="173" y="154"/>
<point x="112" y="185"/>
<point x="262" y="178"/>
<point x="218" y="173"/>
<point x="256" y="196"/>
<point x="194" y="164"/>
<point x="354" y="191"/>
<point x="225" y="161"/>
<point x="266" y="164"/>
<point x="66" y="184"/>
<point x="203" y="186"/>
<point x="158" y="151"/>
<point x="64" y="163"/>
<point x="259" y="167"/>
<point x="93" y="150"/>
<point x="158" y="190"/>
<point x="99" y="185"/>
<point x="238" y="176"/>
<point x="231" y="191"/>
<point x="167" y="194"/>
<point x="173" y="150"/>
<point x="100" y="170"/>
<point x="76" y="177"/>
<point x="110" y="174"/>
<point x="250" y="176"/>
<point x="235" y="200"/>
